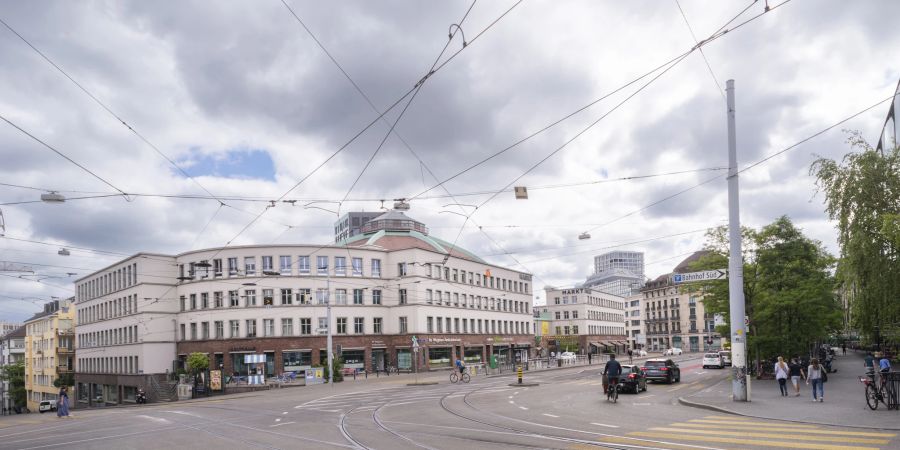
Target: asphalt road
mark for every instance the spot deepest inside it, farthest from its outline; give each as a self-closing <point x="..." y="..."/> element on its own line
<point x="566" y="411"/>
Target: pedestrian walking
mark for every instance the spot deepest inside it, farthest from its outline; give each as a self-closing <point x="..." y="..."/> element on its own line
<point x="630" y="356"/>
<point x="781" y="374"/>
<point x="795" y="370"/>
<point x="844" y="348"/>
<point x="62" y="406"/>
<point x="815" y="374"/>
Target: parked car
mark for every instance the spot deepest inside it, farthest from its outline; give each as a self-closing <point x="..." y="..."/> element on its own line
<point x="726" y="357"/>
<point x="47" y="405"/>
<point x="632" y="379"/>
<point x="659" y="369"/>
<point x="673" y="351"/>
<point x="567" y="355"/>
<point x="713" y="360"/>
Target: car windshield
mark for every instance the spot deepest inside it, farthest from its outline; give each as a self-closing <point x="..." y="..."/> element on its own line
<point x="712" y="355"/>
<point x="655" y="363"/>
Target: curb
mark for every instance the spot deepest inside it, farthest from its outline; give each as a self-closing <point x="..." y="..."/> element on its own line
<point x="684" y="402"/>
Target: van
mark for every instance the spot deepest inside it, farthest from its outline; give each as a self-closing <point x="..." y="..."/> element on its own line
<point x="712" y="360"/>
<point x="726" y="357"/>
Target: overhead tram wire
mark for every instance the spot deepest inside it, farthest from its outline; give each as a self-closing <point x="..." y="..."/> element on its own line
<point x="694" y="37"/>
<point x="722" y="31"/>
<point x="606" y="245"/>
<point x="755" y="164"/>
<point x="63" y="155"/>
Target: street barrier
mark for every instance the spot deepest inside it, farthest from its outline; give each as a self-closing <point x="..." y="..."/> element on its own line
<point x="892" y="389"/>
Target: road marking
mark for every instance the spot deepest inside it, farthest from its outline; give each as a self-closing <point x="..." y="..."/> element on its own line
<point x="700" y="373"/>
<point x="280" y="424"/>
<point x="604" y="425"/>
<point x="551" y="415"/>
<point x="752" y="442"/>
<point x="778" y="427"/>
<point x="510" y="396"/>
<point x="278" y="420"/>
<point x="512" y="402"/>
<point x="284" y="413"/>
<point x="155" y="419"/>
<point x="648" y="395"/>
<point x="516" y="393"/>
<point x="748" y="422"/>
<point x="779" y="435"/>
<point x="523" y="408"/>
<point x="641" y="404"/>
<point x="632" y="441"/>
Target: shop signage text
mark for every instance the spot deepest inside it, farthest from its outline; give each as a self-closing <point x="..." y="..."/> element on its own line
<point x="243" y="348"/>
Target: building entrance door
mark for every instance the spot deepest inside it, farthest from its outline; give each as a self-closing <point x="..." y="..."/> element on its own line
<point x="378" y="363"/>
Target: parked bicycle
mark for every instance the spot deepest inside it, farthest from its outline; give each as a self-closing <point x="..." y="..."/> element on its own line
<point x="875" y="392"/>
<point x="455" y="377"/>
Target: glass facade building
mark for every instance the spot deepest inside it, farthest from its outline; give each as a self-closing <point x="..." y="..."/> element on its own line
<point x="619" y="273"/>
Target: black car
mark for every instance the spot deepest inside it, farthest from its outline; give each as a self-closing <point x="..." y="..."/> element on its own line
<point x="662" y="370"/>
<point x="632" y="379"/>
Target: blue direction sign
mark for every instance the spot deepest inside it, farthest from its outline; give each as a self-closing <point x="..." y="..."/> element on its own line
<point x="706" y="275"/>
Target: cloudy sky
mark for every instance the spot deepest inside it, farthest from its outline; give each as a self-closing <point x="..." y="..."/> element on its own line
<point x="242" y="99"/>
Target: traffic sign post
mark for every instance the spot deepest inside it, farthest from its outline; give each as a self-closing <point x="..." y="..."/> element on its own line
<point x="706" y="275"/>
<point x="519" y="373"/>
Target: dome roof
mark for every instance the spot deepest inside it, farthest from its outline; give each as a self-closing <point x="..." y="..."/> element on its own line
<point x="394" y="230"/>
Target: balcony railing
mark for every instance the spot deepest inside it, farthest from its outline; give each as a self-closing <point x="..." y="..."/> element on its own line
<point x="65" y="350"/>
<point x="64" y="369"/>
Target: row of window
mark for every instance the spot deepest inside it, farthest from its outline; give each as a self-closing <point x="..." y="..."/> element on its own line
<point x="475" y="301"/>
<point x="285" y="297"/>
<point x="286" y="266"/>
<point x="116" y="336"/>
<point x="108" y="282"/>
<point x="203" y="331"/>
<point x="437" y="325"/>
<point x="472" y="278"/>
<point x="590" y="300"/>
<point x="591" y="329"/>
<point x="108" y="310"/>
<point x="109" y="364"/>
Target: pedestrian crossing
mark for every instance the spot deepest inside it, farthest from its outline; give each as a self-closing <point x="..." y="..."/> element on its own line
<point x="734" y="432"/>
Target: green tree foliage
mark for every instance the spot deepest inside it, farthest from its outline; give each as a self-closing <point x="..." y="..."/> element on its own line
<point x="64" y="380"/>
<point x="15" y="375"/>
<point x="197" y="362"/>
<point x="862" y="194"/>
<point x="788" y="288"/>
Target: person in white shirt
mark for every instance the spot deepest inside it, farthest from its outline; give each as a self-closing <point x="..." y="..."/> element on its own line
<point x="814" y="374"/>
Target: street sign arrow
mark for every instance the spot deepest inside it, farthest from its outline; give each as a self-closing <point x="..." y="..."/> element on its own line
<point x="707" y="275"/>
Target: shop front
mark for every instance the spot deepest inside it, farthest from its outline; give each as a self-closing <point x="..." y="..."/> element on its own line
<point x="296" y="360"/>
<point x="440" y="357"/>
<point x="404" y="359"/>
<point x="473" y="354"/>
<point x="354" y="358"/>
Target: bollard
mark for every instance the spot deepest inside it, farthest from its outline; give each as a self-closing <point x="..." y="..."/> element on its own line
<point x="519" y="373"/>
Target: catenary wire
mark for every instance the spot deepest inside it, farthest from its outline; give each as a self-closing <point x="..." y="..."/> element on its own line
<point x="705" y="60"/>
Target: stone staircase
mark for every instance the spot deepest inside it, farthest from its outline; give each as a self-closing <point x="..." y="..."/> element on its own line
<point x="165" y="391"/>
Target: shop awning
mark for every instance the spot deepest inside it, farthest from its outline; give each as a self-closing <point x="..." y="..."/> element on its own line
<point x="598" y="344"/>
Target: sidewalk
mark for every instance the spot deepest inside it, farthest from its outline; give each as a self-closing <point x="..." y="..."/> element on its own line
<point x="844" y="405"/>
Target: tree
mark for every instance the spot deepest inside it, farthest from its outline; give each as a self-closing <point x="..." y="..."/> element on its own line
<point x="67" y="379"/>
<point x="862" y="194"/>
<point x="197" y="363"/>
<point x="15" y="375"/>
<point x="788" y="289"/>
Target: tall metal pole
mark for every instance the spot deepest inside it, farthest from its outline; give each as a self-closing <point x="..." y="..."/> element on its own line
<point x="735" y="265"/>
<point x="328" y="318"/>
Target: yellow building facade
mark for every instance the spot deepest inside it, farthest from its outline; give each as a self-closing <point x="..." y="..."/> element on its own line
<point x="49" y="351"/>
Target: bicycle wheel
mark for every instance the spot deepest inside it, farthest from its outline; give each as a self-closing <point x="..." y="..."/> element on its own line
<point x="466" y="378"/>
<point x="454" y="377"/>
<point x="871" y="397"/>
<point x="615" y="393"/>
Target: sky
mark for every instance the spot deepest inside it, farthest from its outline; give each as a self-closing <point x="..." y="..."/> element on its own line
<point x="250" y="103"/>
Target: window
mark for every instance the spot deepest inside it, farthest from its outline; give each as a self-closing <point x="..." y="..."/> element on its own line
<point x="249" y="265"/>
<point x="251" y="328"/>
<point x="558" y="315"/>
<point x="440" y="325"/>
<point x="403" y="327"/>
<point x="323" y="325"/>
<point x="340" y="296"/>
<point x="357" y="296"/>
<point x="303" y="264"/>
<point x="268" y="296"/>
<point x="217" y="267"/>
<point x="449" y="330"/>
<point x="429" y="296"/>
<point x="574" y="329"/>
<point x="182" y="333"/>
<point x="321" y="296"/>
<point x="234" y="327"/>
<point x="287" y="297"/>
<point x="429" y="324"/>
<point x="376" y="325"/>
<point x="340" y="265"/>
<point x="565" y="314"/>
<point x="251" y="296"/>
<point x="181" y="301"/>
<point x="437" y="297"/>
<point x="284" y="264"/>
<point x="465" y="326"/>
<point x="359" y="325"/>
<point x="267" y="265"/>
<point x="376" y="268"/>
<point x="304" y="297"/>
<point x="305" y="325"/>
<point x="376" y="297"/>
<point x="455" y="299"/>
<point x="193" y="332"/>
<point x="341" y="325"/>
<point x="217" y="299"/>
<point x="232" y="266"/>
<point x="193" y="302"/>
<point x="204" y="328"/>
<point x="402" y="296"/>
<point x="233" y="298"/>
<point x="357" y="267"/>
<point x="455" y="275"/>
<point x="401" y="269"/>
<point x="456" y="325"/>
<point x="575" y="314"/>
<point x="322" y="265"/>
<point x="287" y="327"/>
<point x="220" y="329"/>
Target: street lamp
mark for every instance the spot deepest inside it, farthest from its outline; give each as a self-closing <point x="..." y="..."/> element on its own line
<point x="53" y="197"/>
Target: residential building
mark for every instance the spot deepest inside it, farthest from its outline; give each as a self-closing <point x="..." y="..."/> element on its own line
<point x="674" y="317"/>
<point x="8" y="327"/>
<point x="634" y="321"/>
<point x="49" y="350"/>
<point x="12" y="351"/>
<point x="351" y="223"/>
<point x="392" y="281"/>
<point x="619" y="273"/>
<point x="584" y="320"/>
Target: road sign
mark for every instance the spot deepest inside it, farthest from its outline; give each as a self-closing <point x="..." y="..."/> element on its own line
<point x="415" y="343"/>
<point x="707" y="275"/>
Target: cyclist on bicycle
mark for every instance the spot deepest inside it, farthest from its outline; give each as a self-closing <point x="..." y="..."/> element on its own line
<point x="460" y="366"/>
<point x="612" y="370"/>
